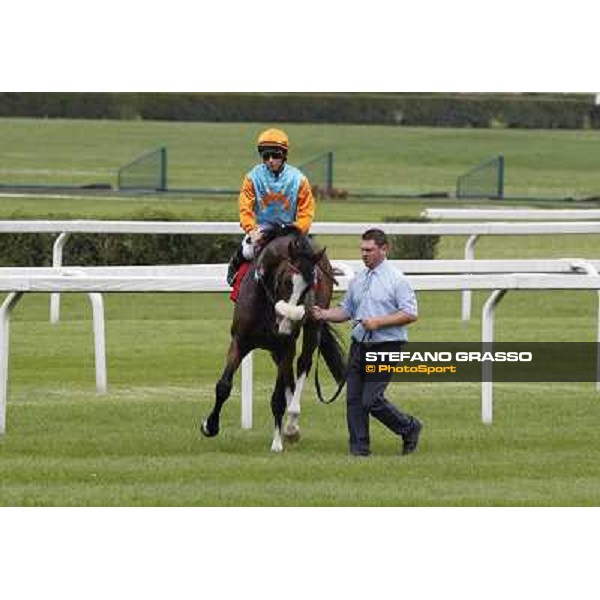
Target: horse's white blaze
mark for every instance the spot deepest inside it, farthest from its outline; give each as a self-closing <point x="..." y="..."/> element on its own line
<point x="288" y="308"/>
<point x="277" y="445"/>
<point x="293" y="411"/>
<point x="299" y="285"/>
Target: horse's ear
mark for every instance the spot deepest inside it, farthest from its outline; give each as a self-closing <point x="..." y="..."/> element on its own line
<point x="318" y="256"/>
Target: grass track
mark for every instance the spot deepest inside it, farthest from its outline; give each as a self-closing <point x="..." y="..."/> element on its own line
<point x="139" y="446"/>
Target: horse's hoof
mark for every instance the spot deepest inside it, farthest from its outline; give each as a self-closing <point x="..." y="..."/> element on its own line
<point x="277" y="447"/>
<point x="206" y="431"/>
<point x="292" y="435"/>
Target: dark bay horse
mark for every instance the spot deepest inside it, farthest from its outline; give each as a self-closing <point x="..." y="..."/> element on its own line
<point x="287" y="277"/>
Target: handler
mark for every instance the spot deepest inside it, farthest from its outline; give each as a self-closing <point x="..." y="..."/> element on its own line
<point x="382" y="303"/>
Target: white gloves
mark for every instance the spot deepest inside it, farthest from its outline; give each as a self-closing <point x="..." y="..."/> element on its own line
<point x="250" y="242"/>
<point x="256" y="235"/>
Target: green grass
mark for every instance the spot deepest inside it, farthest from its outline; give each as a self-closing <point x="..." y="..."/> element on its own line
<point x="139" y="445"/>
<point x="399" y="159"/>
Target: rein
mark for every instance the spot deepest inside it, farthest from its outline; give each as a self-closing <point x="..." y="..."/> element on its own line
<point x="317" y="381"/>
<point x="268" y="293"/>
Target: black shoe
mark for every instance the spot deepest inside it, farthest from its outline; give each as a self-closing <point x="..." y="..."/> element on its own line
<point x="411" y="439"/>
<point x="234" y="264"/>
<point x="231" y="272"/>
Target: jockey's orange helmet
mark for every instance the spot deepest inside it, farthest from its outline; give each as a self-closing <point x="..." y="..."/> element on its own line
<point x="273" y="138"/>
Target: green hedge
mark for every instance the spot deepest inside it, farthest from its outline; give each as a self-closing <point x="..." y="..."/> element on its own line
<point x="412" y="247"/>
<point x="35" y="250"/>
<point x="571" y="111"/>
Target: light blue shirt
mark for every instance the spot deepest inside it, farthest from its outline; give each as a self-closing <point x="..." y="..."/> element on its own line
<point x="376" y="293"/>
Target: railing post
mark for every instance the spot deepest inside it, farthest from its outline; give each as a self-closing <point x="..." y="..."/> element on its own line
<point x="57" y="255"/>
<point x="97" y="303"/>
<point x="487" y="339"/>
<point x="99" y="342"/>
<point x="5" y="311"/>
<point x="467" y="294"/>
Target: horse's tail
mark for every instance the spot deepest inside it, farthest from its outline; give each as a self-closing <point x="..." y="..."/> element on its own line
<point x="331" y="349"/>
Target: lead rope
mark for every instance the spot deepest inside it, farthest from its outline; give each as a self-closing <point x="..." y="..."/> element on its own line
<point x="345" y="378"/>
<point x="317" y="381"/>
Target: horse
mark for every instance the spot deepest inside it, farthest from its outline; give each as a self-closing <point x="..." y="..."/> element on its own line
<point x="287" y="277"/>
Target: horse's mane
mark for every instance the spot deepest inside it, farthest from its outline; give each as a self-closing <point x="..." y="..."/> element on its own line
<point x="279" y="230"/>
<point x="302" y="248"/>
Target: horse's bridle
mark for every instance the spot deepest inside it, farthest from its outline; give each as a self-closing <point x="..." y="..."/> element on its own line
<point x="291" y="268"/>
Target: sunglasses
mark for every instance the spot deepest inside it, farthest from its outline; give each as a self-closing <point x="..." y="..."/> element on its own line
<point x="267" y="154"/>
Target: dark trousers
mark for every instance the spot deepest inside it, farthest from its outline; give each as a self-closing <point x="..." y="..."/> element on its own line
<point x="366" y="398"/>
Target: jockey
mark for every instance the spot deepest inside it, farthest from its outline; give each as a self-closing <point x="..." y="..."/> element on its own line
<point x="273" y="193"/>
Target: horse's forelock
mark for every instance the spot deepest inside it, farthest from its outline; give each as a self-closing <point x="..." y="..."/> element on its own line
<point x="304" y="257"/>
<point x="304" y="247"/>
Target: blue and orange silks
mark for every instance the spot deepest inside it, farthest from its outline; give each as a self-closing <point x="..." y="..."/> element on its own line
<point x="285" y="197"/>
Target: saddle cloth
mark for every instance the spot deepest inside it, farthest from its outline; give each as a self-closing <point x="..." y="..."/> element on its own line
<point x="237" y="282"/>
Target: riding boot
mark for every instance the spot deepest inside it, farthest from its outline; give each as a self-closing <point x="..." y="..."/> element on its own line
<point x="234" y="264"/>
